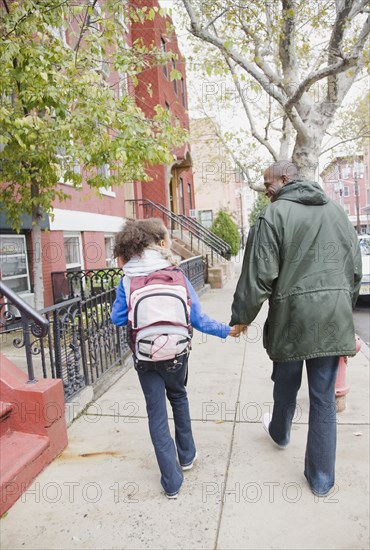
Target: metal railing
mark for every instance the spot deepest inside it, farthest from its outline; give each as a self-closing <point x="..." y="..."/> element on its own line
<point x="75" y="340"/>
<point x="86" y="283"/>
<point x="82" y="343"/>
<point x="195" y="231"/>
<point x="209" y="238"/>
<point x="31" y="322"/>
<point x="83" y="283"/>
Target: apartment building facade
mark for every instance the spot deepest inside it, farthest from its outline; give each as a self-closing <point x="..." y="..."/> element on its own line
<point x="80" y="233"/>
<point x="346" y="181"/>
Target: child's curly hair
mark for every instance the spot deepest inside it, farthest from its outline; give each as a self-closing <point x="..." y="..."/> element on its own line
<point x="136" y="236"/>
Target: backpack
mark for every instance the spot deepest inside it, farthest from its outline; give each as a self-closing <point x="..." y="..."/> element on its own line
<point x="159" y="326"/>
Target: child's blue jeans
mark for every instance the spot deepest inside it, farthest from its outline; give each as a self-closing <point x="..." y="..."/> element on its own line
<point x="158" y="380"/>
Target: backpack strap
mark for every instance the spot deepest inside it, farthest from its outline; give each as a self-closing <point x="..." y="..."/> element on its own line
<point x="126" y="283"/>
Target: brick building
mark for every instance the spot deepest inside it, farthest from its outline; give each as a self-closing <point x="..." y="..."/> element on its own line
<point x="81" y="233"/>
<point x="172" y="185"/>
<point x="218" y="183"/>
<point x="346" y="181"/>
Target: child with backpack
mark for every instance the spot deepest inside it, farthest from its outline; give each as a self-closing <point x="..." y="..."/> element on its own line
<point x="160" y="307"/>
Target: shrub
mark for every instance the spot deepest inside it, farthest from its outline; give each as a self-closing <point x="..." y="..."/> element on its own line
<point x="259" y="204"/>
<point x="224" y="227"/>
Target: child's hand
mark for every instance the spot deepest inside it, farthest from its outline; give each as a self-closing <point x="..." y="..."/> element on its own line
<point x="236" y="330"/>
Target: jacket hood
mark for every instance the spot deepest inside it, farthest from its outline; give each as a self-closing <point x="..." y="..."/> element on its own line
<point x="304" y="192"/>
<point x="151" y="260"/>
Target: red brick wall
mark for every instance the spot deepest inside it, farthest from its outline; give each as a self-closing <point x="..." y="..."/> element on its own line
<point x="162" y="92"/>
<point x="93" y="249"/>
<point x="53" y="259"/>
<point x="87" y="200"/>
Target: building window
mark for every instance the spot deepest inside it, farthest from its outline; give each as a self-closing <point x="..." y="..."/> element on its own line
<point x="14" y="263"/>
<point x="183" y="99"/>
<point x="73" y="251"/>
<point x="174" y="81"/>
<point x="190" y="197"/>
<point x="65" y="164"/>
<point x="60" y="34"/>
<point x="345" y="191"/>
<point x="163" y="48"/>
<point x="346" y="169"/>
<point x="122" y="85"/>
<point x="109" y="245"/>
<point x="104" y="172"/>
<point x="167" y="106"/>
<point x="182" y="198"/>
<point x="206" y="218"/>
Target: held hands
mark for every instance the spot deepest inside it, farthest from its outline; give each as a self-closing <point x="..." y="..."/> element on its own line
<point x="236" y="330"/>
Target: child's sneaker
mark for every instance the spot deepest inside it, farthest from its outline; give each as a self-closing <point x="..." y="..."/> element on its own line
<point x="189" y="466"/>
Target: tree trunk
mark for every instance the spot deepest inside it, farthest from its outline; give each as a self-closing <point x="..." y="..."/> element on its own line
<point x="38" y="282"/>
<point x="306" y="154"/>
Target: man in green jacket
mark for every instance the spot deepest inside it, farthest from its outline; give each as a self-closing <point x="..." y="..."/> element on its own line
<point x="303" y="256"/>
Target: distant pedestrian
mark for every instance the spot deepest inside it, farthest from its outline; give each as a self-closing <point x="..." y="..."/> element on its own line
<point x="161" y="357"/>
<point x="303" y="256"/>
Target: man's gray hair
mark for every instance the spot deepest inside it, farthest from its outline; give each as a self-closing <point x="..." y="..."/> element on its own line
<point x="284" y="168"/>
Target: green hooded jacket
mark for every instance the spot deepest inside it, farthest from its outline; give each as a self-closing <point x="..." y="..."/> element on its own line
<point x="303" y="256"/>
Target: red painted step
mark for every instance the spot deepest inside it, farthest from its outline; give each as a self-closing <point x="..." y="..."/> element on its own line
<point x="5" y="411"/>
<point x="21" y="460"/>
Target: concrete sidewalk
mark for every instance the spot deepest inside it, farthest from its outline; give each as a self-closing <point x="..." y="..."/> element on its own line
<point x="243" y="493"/>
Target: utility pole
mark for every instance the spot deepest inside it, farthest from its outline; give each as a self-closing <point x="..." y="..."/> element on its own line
<point x="357" y="195"/>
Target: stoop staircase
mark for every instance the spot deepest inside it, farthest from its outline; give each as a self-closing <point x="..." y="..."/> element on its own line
<point x="32" y="417"/>
<point x="190" y="238"/>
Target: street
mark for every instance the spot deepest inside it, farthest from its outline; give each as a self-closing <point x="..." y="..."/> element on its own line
<point x="361" y="317"/>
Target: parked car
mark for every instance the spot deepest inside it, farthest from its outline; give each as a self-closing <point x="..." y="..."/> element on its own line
<point x="365" y="255"/>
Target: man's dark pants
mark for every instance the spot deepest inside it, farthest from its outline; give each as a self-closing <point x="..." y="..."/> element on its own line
<point x="322" y="429"/>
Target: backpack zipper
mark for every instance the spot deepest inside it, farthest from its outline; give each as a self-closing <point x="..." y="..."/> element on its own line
<point x="160" y="294"/>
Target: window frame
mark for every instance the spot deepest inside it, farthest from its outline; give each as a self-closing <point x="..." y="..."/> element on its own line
<point x="174" y="82"/>
<point x="110" y="261"/>
<point x="164" y="50"/>
<point x="23" y="253"/>
<point x="74" y="266"/>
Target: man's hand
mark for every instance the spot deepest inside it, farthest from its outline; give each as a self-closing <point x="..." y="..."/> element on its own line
<point x="236" y="330"/>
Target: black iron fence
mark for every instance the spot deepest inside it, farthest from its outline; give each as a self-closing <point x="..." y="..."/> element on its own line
<point x="83" y="283"/>
<point x="82" y="343"/>
<point x="16" y="313"/>
<point x="78" y="341"/>
<point x="74" y="340"/>
<point x="86" y="283"/>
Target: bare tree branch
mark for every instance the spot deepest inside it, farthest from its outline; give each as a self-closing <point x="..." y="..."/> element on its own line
<point x="242" y="168"/>
<point x="273" y="91"/>
<point x="345" y="79"/>
<point x="287" y="53"/>
<point x="359" y="7"/>
<point x="211" y="23"/>
<point x="254" y="131"/>
<point x="6" y="6"/>
<point x="334" y="46"/>
<point x="200" y="32"/>
<point x="84" y="26"/>
<point x="273" y="77"/>
<point x="335" y="68"/>
<point x="366" y="135"/>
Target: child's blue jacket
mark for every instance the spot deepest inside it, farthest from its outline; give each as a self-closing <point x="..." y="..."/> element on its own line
<point x="199" y="320"/>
